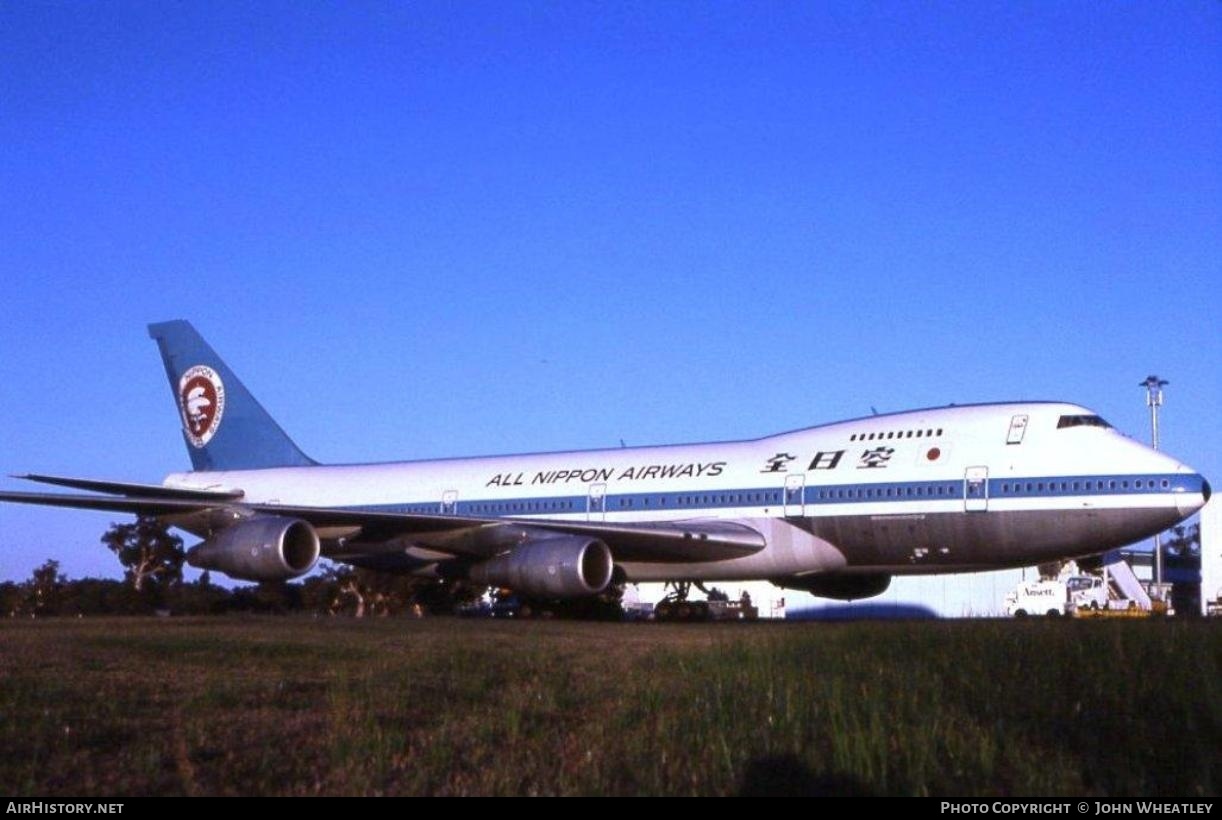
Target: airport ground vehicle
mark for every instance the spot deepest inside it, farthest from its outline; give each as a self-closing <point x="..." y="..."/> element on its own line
<point x="717" y="606"/>
<point x="1061" y="596"/>
<point x="706" y="611"/>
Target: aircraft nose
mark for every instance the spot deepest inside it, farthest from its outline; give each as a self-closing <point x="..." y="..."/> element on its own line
<point x="1193" y="498"/>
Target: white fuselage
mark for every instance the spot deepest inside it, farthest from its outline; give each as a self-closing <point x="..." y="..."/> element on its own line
<point x="937" y="490"/>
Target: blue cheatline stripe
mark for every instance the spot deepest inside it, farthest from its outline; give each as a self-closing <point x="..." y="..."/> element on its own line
<point x="812" y="496"/>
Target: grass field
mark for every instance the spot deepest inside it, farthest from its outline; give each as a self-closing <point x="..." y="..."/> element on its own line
<point x="337" y="706"/>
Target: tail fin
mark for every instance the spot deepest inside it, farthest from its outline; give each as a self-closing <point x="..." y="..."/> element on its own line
<point x="224" y="426"/>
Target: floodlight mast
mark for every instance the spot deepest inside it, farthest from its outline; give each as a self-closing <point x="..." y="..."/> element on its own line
<point x="1154" y="400"/>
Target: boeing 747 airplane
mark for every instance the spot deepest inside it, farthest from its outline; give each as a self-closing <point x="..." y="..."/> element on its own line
<point x="836" y="510"/>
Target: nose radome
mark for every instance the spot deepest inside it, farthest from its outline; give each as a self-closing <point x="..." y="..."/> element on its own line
<point x="1189" y="502"/>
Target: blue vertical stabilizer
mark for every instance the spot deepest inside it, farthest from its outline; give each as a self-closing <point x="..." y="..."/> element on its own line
<point x="224" y="427"/>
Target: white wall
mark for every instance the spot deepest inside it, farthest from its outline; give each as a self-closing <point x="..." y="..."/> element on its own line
<point x="974" y="594"/>
<point x="1211" y="553"/>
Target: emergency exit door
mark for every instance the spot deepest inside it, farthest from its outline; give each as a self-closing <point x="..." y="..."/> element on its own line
<point x="795" y="503"/>
<point x="596" y="504"/>
<point x="976" y="489"/>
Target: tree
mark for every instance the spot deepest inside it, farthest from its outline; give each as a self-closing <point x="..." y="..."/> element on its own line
<point x="45" y="589"/>
<point x="12" y="599"/>
<point x="151" y="557"/>
<point x="1185" y="540"/>
<point x="363" y="592"/>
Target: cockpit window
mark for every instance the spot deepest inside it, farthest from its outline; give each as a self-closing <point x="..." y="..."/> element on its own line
<point x="1081" y="421"/>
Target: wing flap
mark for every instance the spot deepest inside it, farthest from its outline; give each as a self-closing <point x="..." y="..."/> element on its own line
<point x="666" y="541"/>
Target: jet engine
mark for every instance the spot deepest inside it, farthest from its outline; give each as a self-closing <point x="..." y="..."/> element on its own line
<point x="559" y="567"/>
<point x="263" y="548"/>
<point x="840" y="587"/>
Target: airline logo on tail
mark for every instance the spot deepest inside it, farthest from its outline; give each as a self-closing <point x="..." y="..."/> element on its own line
<point x="201" y="399"/>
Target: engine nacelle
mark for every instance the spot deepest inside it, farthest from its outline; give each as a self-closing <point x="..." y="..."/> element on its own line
<point x="263" y="548"/>
<point x="840" y="587"/>
<point x="560" y="567"/>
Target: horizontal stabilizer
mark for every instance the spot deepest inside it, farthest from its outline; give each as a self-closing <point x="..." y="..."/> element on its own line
<point x="113" y="503"/>
<point x="135" y="490"/>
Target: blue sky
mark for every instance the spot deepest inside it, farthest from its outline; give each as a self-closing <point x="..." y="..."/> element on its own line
<point x="443" y="229"/>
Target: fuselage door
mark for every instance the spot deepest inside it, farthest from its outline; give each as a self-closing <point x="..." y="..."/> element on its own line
<point x="596" y="505"/>
<point x="1018" y="426"/>
<point x="795" y="504"/>
<point x="449" y="502"/>
<point x="976" y="489"/>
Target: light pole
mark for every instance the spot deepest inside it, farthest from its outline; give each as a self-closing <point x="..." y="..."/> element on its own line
<point x="1154" y="400"/>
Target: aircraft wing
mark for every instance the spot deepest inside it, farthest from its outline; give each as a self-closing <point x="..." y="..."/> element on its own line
<point x="662" y="541"/>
